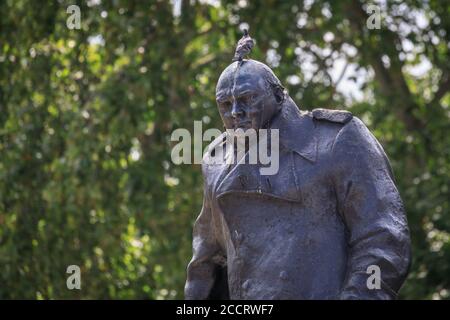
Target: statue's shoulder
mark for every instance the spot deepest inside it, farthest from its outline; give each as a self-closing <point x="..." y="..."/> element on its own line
<point x="337" y="116"/>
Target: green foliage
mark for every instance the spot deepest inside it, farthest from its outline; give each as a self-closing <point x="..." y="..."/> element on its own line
<point x="86" y="117"/>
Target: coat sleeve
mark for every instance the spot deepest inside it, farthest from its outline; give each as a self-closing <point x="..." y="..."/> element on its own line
<point x="372" y="210"/>
<point x="204" y="269"/>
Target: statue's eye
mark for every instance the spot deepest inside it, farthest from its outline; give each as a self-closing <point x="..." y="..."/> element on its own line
<point x="247" y="99"/>
<point x="225" y="104"/>
<point x="250" y="98"/>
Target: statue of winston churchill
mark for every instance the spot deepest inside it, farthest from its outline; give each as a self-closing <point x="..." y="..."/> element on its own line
<point x="322" y="227"/>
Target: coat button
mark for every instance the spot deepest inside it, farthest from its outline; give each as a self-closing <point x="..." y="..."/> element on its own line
<point x="283" y="275"/>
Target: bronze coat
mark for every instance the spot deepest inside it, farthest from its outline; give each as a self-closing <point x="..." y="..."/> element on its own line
<point x="310" y="231"/>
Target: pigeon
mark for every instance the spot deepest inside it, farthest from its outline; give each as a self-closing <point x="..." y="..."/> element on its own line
<point x="244" y="47"/>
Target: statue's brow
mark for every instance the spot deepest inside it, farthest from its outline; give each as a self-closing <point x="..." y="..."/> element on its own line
<point x="222" y="96"/>
<point x="243" y="92"/>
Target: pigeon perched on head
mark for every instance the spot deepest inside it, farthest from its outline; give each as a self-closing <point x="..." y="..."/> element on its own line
<point x="244" y="47"/>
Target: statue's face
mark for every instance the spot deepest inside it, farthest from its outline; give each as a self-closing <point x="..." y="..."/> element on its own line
<point x="244" y="98"/>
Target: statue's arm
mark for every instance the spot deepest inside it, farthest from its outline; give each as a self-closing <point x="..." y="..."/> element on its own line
<point x="203" y="268"/>
<point x="373" y="213"/>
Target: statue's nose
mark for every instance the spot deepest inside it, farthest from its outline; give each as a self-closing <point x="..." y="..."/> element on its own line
<point x="236" y="111"/>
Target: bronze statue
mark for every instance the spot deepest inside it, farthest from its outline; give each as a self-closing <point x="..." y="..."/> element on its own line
<point x="314" y="230"/>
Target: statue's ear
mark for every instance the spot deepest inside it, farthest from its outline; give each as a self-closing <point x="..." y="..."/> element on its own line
<point x="279" y="94"/>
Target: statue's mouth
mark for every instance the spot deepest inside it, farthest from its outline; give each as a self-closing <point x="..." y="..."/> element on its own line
<point x="243" y="124"/>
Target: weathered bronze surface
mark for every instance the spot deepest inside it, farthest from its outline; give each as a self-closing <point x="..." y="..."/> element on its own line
<point x="312" y="230"/>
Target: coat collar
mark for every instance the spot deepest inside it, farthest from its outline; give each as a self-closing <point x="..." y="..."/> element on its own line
<point x="296" y="129"/>
<point x="296" y="133"/>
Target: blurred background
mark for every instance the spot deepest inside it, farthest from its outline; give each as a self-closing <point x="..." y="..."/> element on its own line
<point x="86" y="116"/>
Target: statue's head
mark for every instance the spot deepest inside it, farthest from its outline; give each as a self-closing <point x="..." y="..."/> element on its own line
<point x="248" y="93"/>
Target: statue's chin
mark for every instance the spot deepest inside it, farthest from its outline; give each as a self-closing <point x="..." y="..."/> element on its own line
<point x="243" y="126"/>
<point x="244" y="131"/>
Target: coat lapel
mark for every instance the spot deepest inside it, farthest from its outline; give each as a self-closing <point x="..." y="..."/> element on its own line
<point x="296" y="132"/>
